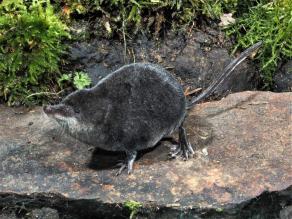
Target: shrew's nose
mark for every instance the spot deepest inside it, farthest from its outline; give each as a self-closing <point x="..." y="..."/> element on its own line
<point x="47" y="109"/>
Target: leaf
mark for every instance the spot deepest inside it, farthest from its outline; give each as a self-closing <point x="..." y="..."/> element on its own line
<point x="66" y="11"/>
<point x="226" y="19"/>
<point x="108" y="27"/>
<point x="81" y="80"/>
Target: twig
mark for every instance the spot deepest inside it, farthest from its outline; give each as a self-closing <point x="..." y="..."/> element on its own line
<point x="133" y="54"/>
<point x="45" y="93"/>
<point x="124" y="38"/>
<point x="257" y="103"/>
<point x="189" y="92"/>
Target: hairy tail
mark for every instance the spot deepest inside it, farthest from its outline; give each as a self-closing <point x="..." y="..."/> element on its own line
<point x="226" y="72"/>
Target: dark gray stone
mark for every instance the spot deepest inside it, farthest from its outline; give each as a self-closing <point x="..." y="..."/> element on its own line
<point x="8" y="215"/>
<point x="91" y="57"/>
<point x="283" y="78"/>
<point x="199" y="66"/>
<point x="44" y="213"/>
<point x="202" y="38"/>
<point x="286" y="213"/>
<point x="195" y="59"/>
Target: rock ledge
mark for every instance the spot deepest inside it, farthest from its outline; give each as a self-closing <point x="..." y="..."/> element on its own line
<point x="243" y="149"/>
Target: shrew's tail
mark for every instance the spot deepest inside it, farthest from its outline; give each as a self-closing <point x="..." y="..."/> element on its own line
<point x="226" y="72"/>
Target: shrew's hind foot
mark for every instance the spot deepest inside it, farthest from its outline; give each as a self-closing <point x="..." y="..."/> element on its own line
<point x="184" y="148"/>
<point x="128" y="164"/>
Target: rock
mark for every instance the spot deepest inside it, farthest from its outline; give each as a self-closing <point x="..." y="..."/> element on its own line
<point x="243" y="155"/>
<point x="8" y="216"/>
<point x="286" y="213"/>
<point x="196" y="59"/>
<point x="199" y="65"/>
<point x="19" y="211"/>
<point x="44" y="213"/>
<point x="283" y="78"/>
<point x="96" y="58"/>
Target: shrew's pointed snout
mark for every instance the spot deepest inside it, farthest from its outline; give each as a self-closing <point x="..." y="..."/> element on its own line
<point x="59" y="109"/>
<point x="47" y="109"/>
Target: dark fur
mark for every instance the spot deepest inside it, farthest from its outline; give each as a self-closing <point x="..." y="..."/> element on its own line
<point x="131" y="109"/>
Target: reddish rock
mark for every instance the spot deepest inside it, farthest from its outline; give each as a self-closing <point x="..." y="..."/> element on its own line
<point x="243" y="147"/>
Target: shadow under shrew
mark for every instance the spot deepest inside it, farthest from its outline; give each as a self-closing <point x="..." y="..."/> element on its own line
<point x="102" y="160"/>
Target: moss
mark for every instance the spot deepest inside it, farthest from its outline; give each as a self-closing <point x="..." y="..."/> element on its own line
<point x="132" y="17"/>
<point x="133" y="206"/>
<point x="30" y="48"/>
<point x="271" y="23"/>
<point x="31" y="34"/>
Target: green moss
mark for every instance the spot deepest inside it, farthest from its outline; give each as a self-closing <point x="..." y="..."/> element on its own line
<point x="31" y="35"/>
<point x="134" y="16"/>
<point x="30" y="48"/>
<point x="271" y="23"/>
<point x="133" y="206"/>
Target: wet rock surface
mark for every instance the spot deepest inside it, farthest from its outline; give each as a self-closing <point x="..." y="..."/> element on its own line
<point x="286" y="212"/>
<point x="196" y="58"/>
<point x="283" y="78"/>
<point x="45" y="213"/>
<point x="243" y="155"/>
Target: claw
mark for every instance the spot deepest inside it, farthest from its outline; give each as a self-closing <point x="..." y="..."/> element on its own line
<point x="184" y="148"/>
<point x="185" y="154"/>
<point x="185" y="144"/>
<point x="190" y="148"/>
<point x="131" y="156"/>
<point x="123" y="166"/>
<point x="175" y="152"/>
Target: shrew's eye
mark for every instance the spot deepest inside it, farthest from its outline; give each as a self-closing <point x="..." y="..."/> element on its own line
<point x="76" y="110"/>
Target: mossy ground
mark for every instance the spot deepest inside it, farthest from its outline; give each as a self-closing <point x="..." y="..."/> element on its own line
<point x="31" y="59"/>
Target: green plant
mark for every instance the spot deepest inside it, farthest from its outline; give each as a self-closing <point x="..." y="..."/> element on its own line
<point x="81" y="80"/>
<point x="126" y="18"/>
<point x="133" y="206"/>
<point x="140" y="14"/>
<point x="272" y="23"/>
<point x="64" y="78"/>
<point x="69" y="7"/>
<point x="30" y="48"/>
